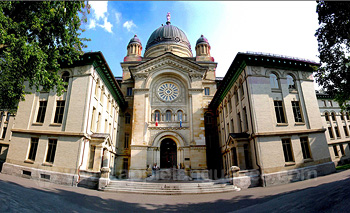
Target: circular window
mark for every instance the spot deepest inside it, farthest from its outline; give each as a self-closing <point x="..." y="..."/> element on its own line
<point x="168" y="91"/>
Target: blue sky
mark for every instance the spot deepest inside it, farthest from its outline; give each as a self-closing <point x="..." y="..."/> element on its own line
<point x="285" y="28"/>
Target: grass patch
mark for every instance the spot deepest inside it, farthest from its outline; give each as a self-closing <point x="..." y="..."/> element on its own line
<point x="343" y="167"/>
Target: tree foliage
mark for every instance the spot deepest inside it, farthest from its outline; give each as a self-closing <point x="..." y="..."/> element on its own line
<point x="35" y="38"/>
<point x="333" y="37"/>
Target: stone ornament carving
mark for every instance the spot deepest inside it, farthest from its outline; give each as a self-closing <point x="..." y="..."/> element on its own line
<point x="196" y="76"/>
<point x="138" y="147"/>
<point x="305" y="75"/>
<point x="81" y="70"/>
<point x="256" y="70"/>
<point x="141" y="76"/>
<point x="168" y="91"/>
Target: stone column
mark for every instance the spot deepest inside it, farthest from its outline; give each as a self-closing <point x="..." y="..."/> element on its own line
<point x="241" y="158"/>
<point x="104" y="179"/>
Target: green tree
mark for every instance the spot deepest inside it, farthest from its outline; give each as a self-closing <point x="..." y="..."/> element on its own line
<point x="333" y="37"/>
<point x="36" y="37"/>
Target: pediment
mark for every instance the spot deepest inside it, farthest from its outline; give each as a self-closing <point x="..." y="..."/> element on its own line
<point x="166" y="61"/>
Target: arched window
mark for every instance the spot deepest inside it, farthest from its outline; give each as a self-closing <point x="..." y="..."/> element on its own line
<point x="102" y="93"/>
<point x="168" y="115"/>
<point x="97" y="86"/>
<point x="179" y="115"/>
<point x="65" y="78"/>
<point x="290" y="82"/>
<point x="347" y="116"/>
<point x="326" y="116"/>
<point x="333" y="116"/>
<point x="274" y="81"/>
<point x="236" y="95"/>
<point x="241" y="89"/>
<point x="127" y="118"/>
<point x="157" y="115"/>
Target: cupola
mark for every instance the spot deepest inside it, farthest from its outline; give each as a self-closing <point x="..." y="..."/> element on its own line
<point x="134" y="50"/>
<point x="203" y="50"/>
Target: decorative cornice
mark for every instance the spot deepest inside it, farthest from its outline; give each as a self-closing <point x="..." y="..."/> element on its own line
<point x="167" y="128"/>
<point x="283" y="133"/>
<point x="45" y="132"/>
<point x="198" y="148"/>
<point x="136" y="147"/>
<point x="195" y="90"/>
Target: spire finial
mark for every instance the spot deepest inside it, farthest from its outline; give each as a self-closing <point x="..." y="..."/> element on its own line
<point x="168" y="18"/>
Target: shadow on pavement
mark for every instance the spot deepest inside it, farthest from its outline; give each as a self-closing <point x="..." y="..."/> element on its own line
<point x="333" y="196"/>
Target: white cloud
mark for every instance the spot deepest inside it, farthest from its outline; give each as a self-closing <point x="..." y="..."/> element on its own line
<point x="99" y="8"/>
<point x="118" y="17"/>
<point x="129" y="24"/>
<point x="106" y="25"/>
<point x="100" y="16"/>
<point x="92" y="24"/>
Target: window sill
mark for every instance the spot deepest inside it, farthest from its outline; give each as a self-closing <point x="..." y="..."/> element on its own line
<point x="29" y="161"/>
<point x="289" y="164"/>
<point x="47" y="164"/>
<point x="282" y="124"/>
<point x="299" y="123"/>
<point x="55" y="124"/>
<point x="276" y="90"/>
<point x="37" y="124"/>
<point x="308" y="160"/>
<point x="293" y="91"/>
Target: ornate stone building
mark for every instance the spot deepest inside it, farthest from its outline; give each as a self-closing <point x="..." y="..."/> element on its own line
<point x="71" y="138"/>
<point x="166" y="110"/>
<point x="167" y="92"/>
<point x="269" y="121"/>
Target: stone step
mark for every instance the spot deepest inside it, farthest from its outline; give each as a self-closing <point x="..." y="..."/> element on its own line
<point x="170" y="192"/>
<point x="167" y="188"/>
<point x="166" y="185"/>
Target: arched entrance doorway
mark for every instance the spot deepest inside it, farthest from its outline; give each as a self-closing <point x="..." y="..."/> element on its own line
<point x="168" y="153"/>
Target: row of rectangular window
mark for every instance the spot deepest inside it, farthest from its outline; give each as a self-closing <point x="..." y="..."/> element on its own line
<point x="58" y="113"/>
<point x="280" y="115"/>
<point x="342" y="150"/>
<point x="51" y="151"/>
<point x="336" y="129"/>
<point x="288" y="151"/>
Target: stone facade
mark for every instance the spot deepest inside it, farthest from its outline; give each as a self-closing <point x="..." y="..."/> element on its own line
<point x="68" y="138"/>
<point x="167" y="92"/>
<point x="268" y="119"/>
<point x="337" y="125"/>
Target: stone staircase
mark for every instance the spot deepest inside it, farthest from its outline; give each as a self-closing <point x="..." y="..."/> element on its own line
<point x="167" y="188"/>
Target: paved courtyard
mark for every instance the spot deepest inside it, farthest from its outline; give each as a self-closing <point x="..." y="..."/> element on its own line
<point x="324" y="194"/>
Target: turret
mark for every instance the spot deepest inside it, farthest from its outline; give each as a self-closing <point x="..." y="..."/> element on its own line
<point x="134" y="50"/>
<point x="203" y="50"/>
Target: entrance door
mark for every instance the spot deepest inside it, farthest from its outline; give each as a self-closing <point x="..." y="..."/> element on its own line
<point x="168" y="154"/>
